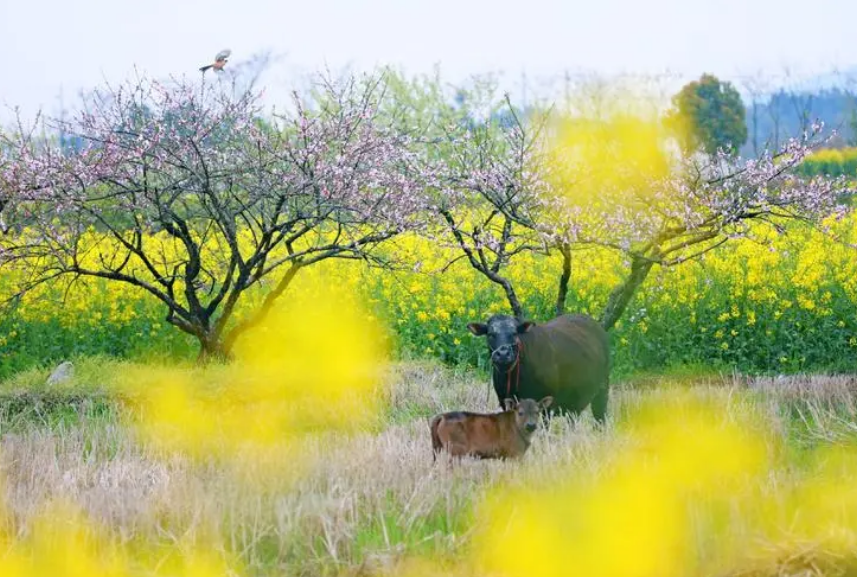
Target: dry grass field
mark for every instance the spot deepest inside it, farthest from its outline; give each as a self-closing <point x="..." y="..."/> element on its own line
<point x="371" y="502"/>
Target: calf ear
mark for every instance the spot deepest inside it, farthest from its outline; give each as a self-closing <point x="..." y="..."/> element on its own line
<point x="525" y="326"/>
<point x="478" y="329"/>
<point x="545" y="403"/>
<point x="510" y="404"/>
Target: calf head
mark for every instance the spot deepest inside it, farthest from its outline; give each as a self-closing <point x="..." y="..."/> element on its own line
<point x="502" y="332"/>
<point x="527" y="413"/>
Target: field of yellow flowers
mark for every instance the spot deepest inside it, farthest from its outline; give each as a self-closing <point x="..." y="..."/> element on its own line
<point x="777" y="303"/>
<point x="831" y="162"/>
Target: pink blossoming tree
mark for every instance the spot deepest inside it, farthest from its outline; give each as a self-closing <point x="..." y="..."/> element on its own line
<point x="514" y="191"/>
<point x="702" y="204"/>
<point x="195" y="197"/>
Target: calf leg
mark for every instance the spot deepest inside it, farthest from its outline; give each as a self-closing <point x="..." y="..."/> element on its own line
<point x="454" y="452"/>
<point x="599" y="404"/>
<point x="435" y="453"/>
<point x="436" y="444"/>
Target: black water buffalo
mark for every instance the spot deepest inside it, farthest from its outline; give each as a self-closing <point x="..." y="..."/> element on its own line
<point x="567" y="358"/>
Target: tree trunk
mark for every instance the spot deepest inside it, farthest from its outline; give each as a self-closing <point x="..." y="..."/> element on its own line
<point x="210" y="343"/>
<point x="480" y="264"/>
<point x="517" y="308"/>
<point x="562" y="292"/>
<point x="262" y="313"/>
<point x="211" y="349"/>
<point x="755" y="119"/>
<point x="618" y="300"/>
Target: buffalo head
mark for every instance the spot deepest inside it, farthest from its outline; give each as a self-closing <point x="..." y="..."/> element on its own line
<point x="527" y="412"/>
<point x="502" y="332"/>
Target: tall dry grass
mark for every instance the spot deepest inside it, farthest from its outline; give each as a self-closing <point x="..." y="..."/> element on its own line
<point x="362" y="503"/>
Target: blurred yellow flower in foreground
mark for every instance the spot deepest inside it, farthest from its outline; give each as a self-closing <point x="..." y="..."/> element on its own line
<point x="315" y="365"/>
<point x="63" y="542"/>
<point x="630" y="518"/>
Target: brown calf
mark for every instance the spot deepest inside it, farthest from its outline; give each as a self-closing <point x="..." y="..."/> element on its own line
<point x="491" y="436"/>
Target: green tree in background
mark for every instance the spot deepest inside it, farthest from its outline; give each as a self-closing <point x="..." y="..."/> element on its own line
<point x="708" y="115"/>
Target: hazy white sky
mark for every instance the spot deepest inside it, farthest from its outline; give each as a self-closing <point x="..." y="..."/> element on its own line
<point x="47" y="45"/>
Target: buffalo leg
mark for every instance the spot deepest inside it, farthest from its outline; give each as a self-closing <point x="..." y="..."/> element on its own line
<point x="501" y="398"/>
<point x="599" y="404"/>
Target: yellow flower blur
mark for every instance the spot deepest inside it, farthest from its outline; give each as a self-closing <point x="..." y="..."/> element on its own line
<point x="315" y="365"/>
<point x="633" y="517"/>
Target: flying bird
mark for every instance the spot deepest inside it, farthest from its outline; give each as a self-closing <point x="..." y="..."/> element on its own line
<point x="219" y="61"/>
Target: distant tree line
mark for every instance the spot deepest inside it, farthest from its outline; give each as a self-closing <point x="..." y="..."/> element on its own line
<point x="787" y="114"/>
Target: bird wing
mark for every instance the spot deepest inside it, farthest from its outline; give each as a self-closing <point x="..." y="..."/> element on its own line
<point x="222" y="55"/>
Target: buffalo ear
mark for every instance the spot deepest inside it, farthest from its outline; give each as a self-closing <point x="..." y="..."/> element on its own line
<point x="510" y="404"/>
<point x="478" y="329"/>
<point x="525" y="326"/>
<point x="545" y="403"/>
